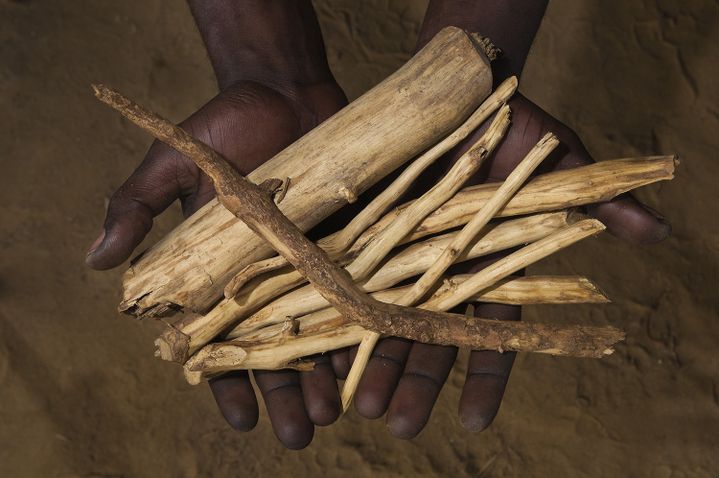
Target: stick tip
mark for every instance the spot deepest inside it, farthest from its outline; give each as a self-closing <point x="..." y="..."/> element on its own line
<point x="98" y="89"/>
<point x="676" y="161"/>
<point x="510" y="84"/>
<point x="172" y="346"/>
<point x="549" y="140"/>
<point x="193" y="377"/>
<point x="599" y="295"/>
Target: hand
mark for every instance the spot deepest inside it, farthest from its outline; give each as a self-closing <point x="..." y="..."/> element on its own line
<point x="404" y="378"/>
<point x="248" y="122"/>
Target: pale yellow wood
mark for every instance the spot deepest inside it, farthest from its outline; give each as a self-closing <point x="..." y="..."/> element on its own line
<point x="407" y="263"/>
<point x="202" y="329"/>
<point x="336" y="244"/>
<point x="450" y="253"/>
<point x="513" y="262"/>
<point x="230" y="355"/>
<point x="421" y="103"/>
<point x="529" y="290"/>
<point x="557" y="190"/>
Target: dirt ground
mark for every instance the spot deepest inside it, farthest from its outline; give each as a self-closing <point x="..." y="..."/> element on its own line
<point x="82" y="395"/>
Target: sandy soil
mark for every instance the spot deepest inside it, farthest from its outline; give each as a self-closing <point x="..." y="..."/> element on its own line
<point x="81" y="394"/>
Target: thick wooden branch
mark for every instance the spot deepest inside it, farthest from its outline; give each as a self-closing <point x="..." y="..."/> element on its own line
<point x="255" y="207"/>
<point x="337" y="244"/>
<point x="405" y="114"/>
<point x="564" y="189"/>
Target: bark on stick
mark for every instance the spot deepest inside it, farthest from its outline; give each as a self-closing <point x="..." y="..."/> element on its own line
<point x="254" y="206"/>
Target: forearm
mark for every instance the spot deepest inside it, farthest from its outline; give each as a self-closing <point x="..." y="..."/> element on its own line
<point x="263" y="40"/>
<point x="509" y="24"/>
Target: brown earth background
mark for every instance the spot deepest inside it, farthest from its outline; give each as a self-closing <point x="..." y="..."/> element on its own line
<point x="82" y="395"/>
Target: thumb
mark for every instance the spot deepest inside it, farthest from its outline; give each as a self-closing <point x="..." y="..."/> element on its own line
<point x="149" y="190"/>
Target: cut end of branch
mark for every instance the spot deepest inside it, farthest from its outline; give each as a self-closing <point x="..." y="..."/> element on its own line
<point x="193" y="377"/>
<point x="215" y="357"/>
<point x="599" y="296"/>
<point x="172" y="345"/>
<point x="486" y="46"/>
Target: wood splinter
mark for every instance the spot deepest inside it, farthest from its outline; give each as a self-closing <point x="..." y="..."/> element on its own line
<point x="256" y="208"/>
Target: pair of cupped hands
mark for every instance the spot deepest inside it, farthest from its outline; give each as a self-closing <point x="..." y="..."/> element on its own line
<point x="248" y="122"/>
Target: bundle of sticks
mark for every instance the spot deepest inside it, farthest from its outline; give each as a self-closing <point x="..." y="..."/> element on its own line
<point x="276" y="311"/>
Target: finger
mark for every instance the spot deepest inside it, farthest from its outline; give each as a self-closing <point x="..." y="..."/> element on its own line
<point x="424" y="375"/>
<point x="228" y="123"/>
<point x="286" y="407"/>
<point x="380" y="377"/>
<point x="487" y="375"/>
<point x="341" y="362"/>
<point x="236" y="399"/>
<point x="320" y="393"/>
<point x="624" y="216"/>
<point x="628" y="219"/>
<point x="149" y="190"/>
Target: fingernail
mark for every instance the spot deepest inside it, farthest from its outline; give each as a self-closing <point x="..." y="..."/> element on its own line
<point x="97" y="243"/>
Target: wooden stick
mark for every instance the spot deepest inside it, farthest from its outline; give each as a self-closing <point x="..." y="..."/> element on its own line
<point x="250" y="271"/>
<point x="223" y="356"/>
<point x="448" y="256"/>
<point x="574" y="187"/>
<point x="202" y="329"/>
<point x="513" y="290"/>
<point x="535" y="290"/>
<point x="413" y="260"/>
<point x="273" y="354"/>
<point x="470" y="231"/>
<point x="514" y="262"/>
<point x="336" y="244"/>
<point x="564" y="189"/>
<point x="526" y="290"/>
<point x="253" y="205"/>
<point x="461" y="171"/>
<point x="422" y="102"/>
<point x="485" y="334"/>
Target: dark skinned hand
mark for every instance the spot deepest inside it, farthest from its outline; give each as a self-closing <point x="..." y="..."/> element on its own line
<point x="247" y="123"/>
<point x="403" y="378"/>
<point x="250" y="121"/>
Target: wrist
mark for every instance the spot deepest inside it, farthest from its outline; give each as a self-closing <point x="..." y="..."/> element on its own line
<point x="274" y="42"/>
